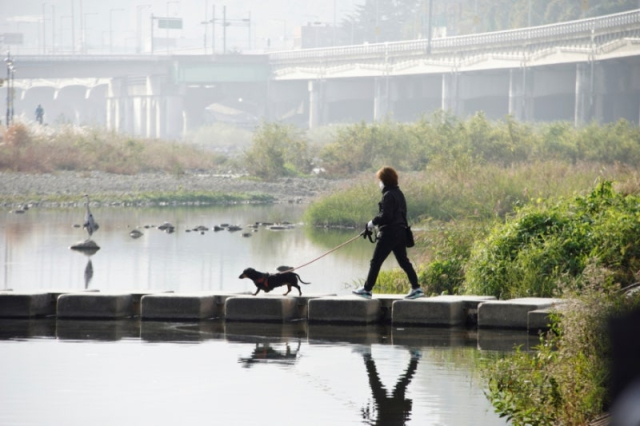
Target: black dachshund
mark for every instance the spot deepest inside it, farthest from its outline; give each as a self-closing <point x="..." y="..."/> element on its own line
<point x="267" y="282"/>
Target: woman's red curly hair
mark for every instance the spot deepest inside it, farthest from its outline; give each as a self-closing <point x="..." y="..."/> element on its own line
<point x="388" y="176"/>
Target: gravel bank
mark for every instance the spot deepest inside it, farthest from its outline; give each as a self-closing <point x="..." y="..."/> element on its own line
<point x="112" y="188"/>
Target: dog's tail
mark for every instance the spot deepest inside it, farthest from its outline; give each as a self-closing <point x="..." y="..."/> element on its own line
<point x="300" y="279"/>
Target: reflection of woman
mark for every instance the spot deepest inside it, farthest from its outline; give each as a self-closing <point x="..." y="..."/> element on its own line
<point x="395" y="409"/>
<point x="392" y="222"/>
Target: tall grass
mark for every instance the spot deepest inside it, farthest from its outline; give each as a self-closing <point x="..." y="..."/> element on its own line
<point x="458" y="191"/>
<point x="442" y="139"/>
<point x="81" y="149"/>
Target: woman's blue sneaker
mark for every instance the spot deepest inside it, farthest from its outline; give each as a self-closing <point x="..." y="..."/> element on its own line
<point x="362" y="292"/>
<point x="415" y="293"/>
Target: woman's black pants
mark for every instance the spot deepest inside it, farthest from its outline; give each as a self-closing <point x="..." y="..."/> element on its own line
<point x="391" y="239"/>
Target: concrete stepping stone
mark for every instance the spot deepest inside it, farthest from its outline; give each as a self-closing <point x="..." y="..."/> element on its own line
<point x="136" y="297"/>
<point x="345" y="309"/>
<point x="540" y="319"/>
<point x="270" y="308"/>
<point x="511" y="313"/>
<point x="182" y="306"/>
<point x="386" y="305"/>
<point x="436" y="311"/>
<point x="25" y="304"/>
<point x="263" y="308"/>
<point x="95" y="305"/>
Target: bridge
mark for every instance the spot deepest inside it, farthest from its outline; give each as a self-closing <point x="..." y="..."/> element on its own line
<point x="578" y="71"/>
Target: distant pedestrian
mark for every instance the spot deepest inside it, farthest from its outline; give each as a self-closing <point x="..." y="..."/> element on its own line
<point x="39" y="114"/>
<point x="392" y="223"/>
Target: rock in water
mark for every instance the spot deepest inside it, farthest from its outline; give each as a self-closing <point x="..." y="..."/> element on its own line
<point x="87" y="246"/>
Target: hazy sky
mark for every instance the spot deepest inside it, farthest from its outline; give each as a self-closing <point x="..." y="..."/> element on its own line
<point x="123" y="25"/>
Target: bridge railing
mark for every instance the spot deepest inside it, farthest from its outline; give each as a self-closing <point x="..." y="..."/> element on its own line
<point x="581" y="30"/>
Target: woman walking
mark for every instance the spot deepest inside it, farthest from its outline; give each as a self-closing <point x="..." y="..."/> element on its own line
<point x="392" y="223"/>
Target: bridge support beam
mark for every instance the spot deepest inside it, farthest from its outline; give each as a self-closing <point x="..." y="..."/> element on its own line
<point x="114" y="105"/>
<point x="316" y="103"/>
<point x="381" y="98"/>
<point x="450" y="93"/>
<point x="585" y="76"/>
<point x="521" y="99"/>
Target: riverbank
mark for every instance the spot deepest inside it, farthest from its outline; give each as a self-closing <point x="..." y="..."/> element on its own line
<point x="67" y="187"/>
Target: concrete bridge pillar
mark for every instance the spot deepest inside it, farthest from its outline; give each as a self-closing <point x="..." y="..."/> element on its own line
<point x="153" y="107"/>
<point x="381" y="98"/>
<point x="584" y="106"/>
<point x="521" y="100"/>
<point x="160" y="107"/>
<point x="316" y="103"/>
<point x="450" y="93"/>
<point x="140" y="115"/>
<point x="114" y="105"/>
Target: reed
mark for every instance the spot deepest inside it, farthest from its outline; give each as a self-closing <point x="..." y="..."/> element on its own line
<point x="70" y="148"/>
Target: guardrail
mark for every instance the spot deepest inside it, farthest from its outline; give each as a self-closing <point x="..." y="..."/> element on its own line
<point x="581" y="30"/>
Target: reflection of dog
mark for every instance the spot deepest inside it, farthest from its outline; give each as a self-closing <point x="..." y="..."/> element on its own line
<point x="267" y="282"/>
<point x="263" y="352"/>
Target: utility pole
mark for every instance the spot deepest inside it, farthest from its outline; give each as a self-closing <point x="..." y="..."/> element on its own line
<point x="44" y="27"/>
<point x="249" y="27"/>
<point x="152" y="33"/>
<point x="213" y="31"/>
<point x="81" y="29"/>
<point x="206" y="22"/>
<point x="10" y="82"/>
<point x="73" y="27"/>
<point x="53" y="29"/>
<point x="429" y="27"/>
<point x="139" y="37"/>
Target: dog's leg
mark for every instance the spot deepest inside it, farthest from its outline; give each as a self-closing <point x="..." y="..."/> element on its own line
<point x="288" y="289"/>
<point x="257" y="291"/>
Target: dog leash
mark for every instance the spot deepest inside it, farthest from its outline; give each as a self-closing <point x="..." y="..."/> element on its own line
<point x="323" y="255"/>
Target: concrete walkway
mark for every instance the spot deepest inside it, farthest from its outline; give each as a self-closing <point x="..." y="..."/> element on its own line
<point x="448" y="311"/>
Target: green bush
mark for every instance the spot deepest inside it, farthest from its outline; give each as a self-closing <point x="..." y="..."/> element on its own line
<point x="442" y="139"/>
<point x="527" y="254"/>
<point x="450" y="244"/>
<point x="277" y="150"/>
<point x="564" y="380"/>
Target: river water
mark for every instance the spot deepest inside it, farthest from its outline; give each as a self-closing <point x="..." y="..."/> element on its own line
<point x="57" y="372"/>
<point x="35" y="251"/>
<point x="152" y="373"/>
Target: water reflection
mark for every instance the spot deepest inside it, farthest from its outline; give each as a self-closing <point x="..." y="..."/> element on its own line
<point x="92" y="330"/>
<point x="342" y="374"/>
<point x="394" y="409"/>
<point x="267" y="353"/>
<point x="88" y="273"/>
<point x="35" y="252"/>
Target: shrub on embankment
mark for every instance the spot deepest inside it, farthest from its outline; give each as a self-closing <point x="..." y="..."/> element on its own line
<point x="566" y="379"/>
<point x="443" y="139"/>
<point x="549" y="241"/>
<point x="37" y="150"/>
